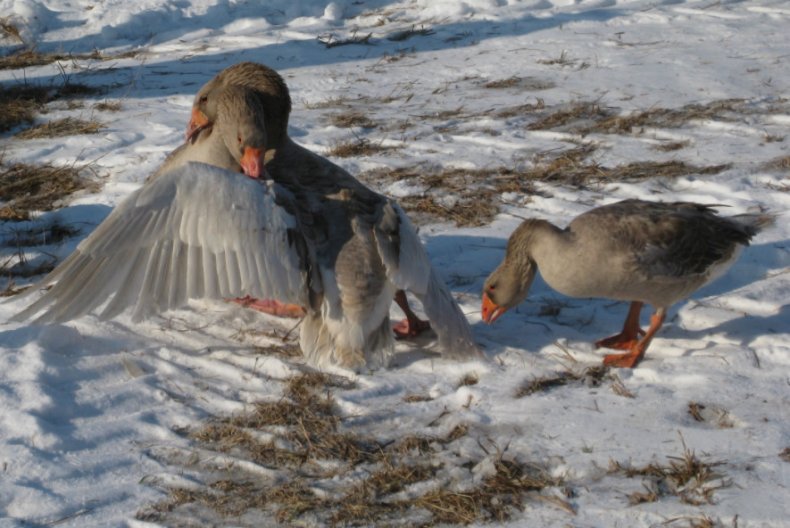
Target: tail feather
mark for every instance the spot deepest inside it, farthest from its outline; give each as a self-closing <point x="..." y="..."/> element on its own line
<point x="450" y="324"/>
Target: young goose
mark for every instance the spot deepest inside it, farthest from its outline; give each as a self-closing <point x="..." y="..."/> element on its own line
<point x="634" y="250"/>
<point x="292" y="162"/>
<point x="198" y="231"/>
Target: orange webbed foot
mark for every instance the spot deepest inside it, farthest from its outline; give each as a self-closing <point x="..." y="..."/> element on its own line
<point x="413" y="328"/>
<point x="629" y="360"/>
<point x="271" y="307"/>
<point x="621" y="341"/>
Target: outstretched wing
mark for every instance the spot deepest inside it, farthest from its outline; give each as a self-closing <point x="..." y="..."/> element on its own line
<point x="196" y="232"/>
<point x="409" y="268"/>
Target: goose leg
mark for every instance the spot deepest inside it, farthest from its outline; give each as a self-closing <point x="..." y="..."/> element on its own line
<point x="637" y="350"/>
<point x="412" y="325"/>
<point x="270" y="306"/>
<point x="626" y="339"/>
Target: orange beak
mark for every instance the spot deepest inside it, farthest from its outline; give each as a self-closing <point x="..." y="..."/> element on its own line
<point x="198" y="122"/>
<point x="252" y="163"/>
<point x="491" y="311"/>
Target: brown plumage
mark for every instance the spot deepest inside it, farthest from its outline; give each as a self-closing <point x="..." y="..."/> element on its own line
<point x="198" y="231"/>
<point x="292" y="165"/>
<point x="634" y="250"/>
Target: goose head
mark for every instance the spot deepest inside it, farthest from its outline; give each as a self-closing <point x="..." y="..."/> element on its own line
<point x="264" y="83"/>
<point x="510" y="282"/>
<point x="241" y="127"/>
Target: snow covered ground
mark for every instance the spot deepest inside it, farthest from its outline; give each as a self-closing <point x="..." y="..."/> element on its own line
<point x="93" y="413"/>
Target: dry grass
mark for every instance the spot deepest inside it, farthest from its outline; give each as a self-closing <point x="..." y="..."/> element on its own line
<point x="670" y="118"/>
<point x="25" y="188"/>
<point x="510" y="82"/>
<point x="587" y="117"/>
<point x="711" y="415"/>
<point x="332" y="477"/>
<point x="469" y="379"/>
<point x="400" y="36"/>
<point x="68" y="126"/>
<point x="524" y="109"/>
<point x="575" y="117"/>
<point x="785" y="454"/>
<point x="469" y="197"/>
<point x="416" y="398"/>
<point x="564" y="60"/>
<point x="525" y="83"/>
<point x="26" y="58"/>
<point x="19" y="104"/>
<point x="686" y="477"/>
<point x="352" y="119"/>
<point x="781" y="163"/>
<point x="9" y="30"/>
<point x="108" y="106"/>
<point x="672" y="146"/>
<point x="357" y="147"/>
<point x="590" y="376"/>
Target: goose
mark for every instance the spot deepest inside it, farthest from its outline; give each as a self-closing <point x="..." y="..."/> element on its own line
<point x="292" y="162"/>
<point x="198" y="231"/>
<point x="634" y="250"/>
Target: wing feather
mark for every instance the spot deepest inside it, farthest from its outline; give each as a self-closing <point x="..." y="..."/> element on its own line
<point x="194" y="232"/>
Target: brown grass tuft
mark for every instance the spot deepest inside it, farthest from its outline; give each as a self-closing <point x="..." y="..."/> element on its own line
<point x="108" y="106"/>
<point x="687" y="477"/>
<point x="9" y="30"/>
<point x="333" y="477"/>
<point x="416" y="398"/>
<point x="25" y="188"/>
<point x="68" y="126"/>
<point x="574" y="116"/>
<point x="352" y="119"/>
<point x="26" y="58"/>
<point x="356" y="147"/>
<point x="781" y="163"/>
<point x="469" y="379"/>
<point x="19" y="104"/>
<point x="590" y="376"/>
<point x="710" y="414"/>
<point x="525" y="83"/>
<point x="672" y="146"/>
<point x="510" y="82"/>
<point x="785" y="454"/>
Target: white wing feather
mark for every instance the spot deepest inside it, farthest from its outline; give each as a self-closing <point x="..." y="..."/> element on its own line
<point x="415" y="273"/>
<point x="196" y="232"/>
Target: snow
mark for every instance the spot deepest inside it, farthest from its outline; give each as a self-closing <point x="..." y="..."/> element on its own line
<point x="89" y="407"/>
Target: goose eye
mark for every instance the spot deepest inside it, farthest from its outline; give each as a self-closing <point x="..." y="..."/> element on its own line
<point x="203" y="99"/>
<point x="492" y="287"/>
<point x="238" y="138"/>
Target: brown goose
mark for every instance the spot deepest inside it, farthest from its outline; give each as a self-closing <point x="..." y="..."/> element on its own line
<point x="198" y="231"/>
<point x="634" y="250"/>
<point x="292" y="163"/>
